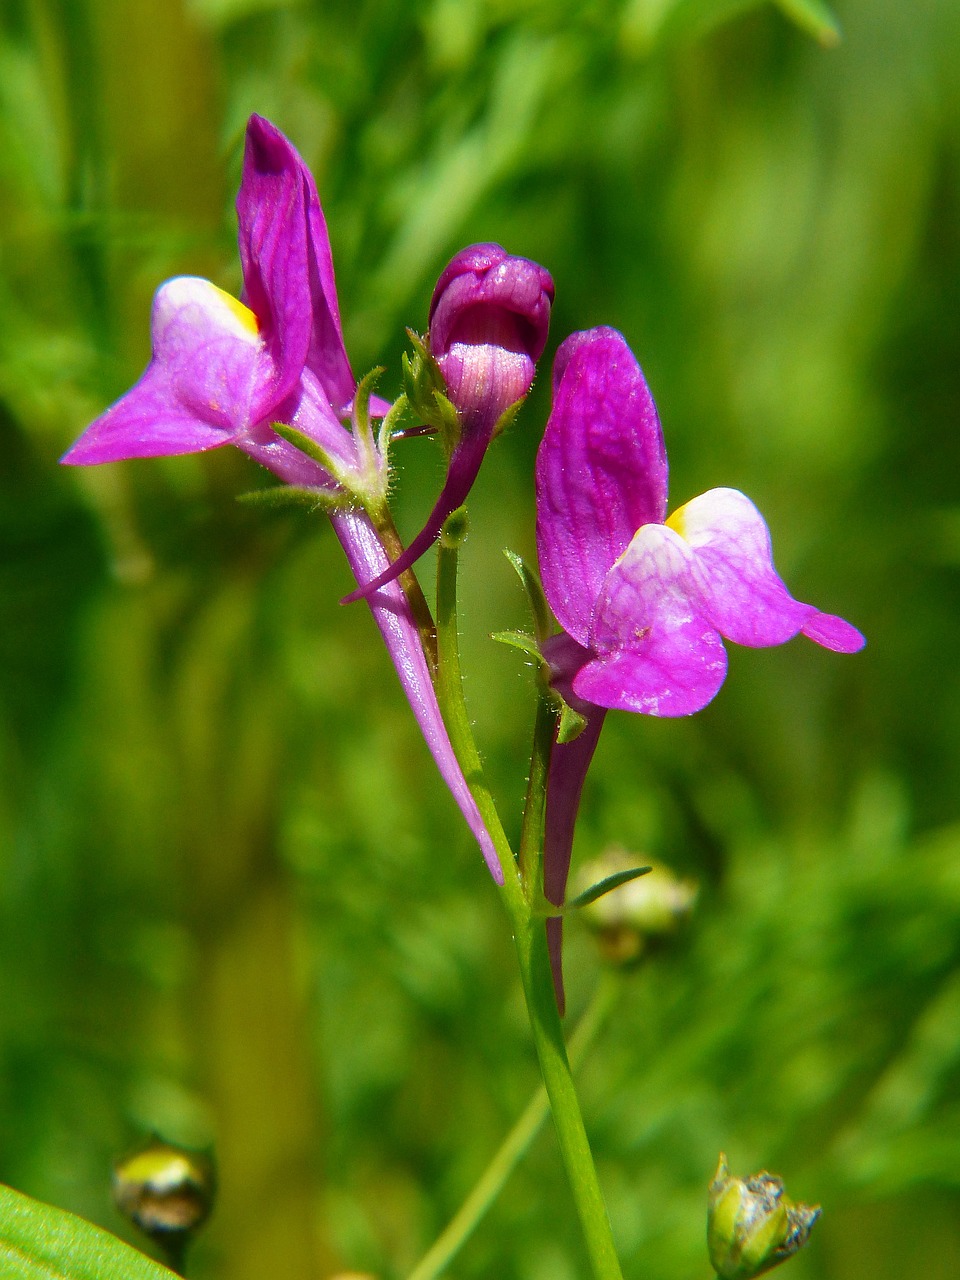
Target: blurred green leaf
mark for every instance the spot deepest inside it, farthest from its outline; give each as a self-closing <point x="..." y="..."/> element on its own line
<point x="38" y="1242"/>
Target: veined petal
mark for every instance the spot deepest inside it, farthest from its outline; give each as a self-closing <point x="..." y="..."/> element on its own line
<point x="273" y="242"/>
<point x="739" y="588"/>
<point x="656" y="652"/>
<point x="601" y="471"/>
<point x="206" y="375"/>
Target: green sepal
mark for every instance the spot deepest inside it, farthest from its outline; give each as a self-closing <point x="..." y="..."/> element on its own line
<point x="572" y="723"/>
<point x="521" y="640"/>
<point x="399" y="410"/>
<point x="815" y="18"/>
<point x="542" y="617"/>
<point x="426" y="391"/>
<point x="287" y="496"/>
<point x="506" y="418"/>
<point x="39" y="1242"/>
<point x="361" y="401"/>
<point x="306" y="445"/>
<point x="606" y="885"/>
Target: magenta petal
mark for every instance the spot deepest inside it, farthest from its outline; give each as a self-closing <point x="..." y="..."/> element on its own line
<point x="601" y="471"/>
<point x="144" y="423"/>
<point x="273" y="239"/>
<point x="739" y="587"/>
<point x="834" y="633"/>
<point x="200" y="388"/>
<point x="655" y="651"/>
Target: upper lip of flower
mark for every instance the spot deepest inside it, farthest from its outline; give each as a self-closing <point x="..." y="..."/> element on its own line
<point x="486" y="295"/>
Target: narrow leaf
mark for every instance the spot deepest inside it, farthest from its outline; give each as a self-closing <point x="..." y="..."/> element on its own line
<point x="542" y="618"/>
<point x="519" y="640"/>
<point x="606" y="886"/>
<point x="283" y="496"/>
<point x="38" y="1242"/>
<point x="815" y="18"/>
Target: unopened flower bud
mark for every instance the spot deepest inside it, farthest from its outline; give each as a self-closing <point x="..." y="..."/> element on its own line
<point x="167" y="1192"/>
<point x="636" y="916"/>
<point x="752" y="1224"/>
<point x="488" y="326"/>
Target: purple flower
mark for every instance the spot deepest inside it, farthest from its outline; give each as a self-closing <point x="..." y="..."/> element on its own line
<point x="489" y="318"/>
<point x="222" y="371"/>
<point x="644" y="600"/>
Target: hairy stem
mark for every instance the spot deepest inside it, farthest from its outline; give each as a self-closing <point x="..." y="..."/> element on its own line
<point x="528" y="931"/>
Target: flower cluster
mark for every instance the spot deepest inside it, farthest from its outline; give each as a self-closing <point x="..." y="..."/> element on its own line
<point x="227" y="371"/>
<point x="644" y="601"/>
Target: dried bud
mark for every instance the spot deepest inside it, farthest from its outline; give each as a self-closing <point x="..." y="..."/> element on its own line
<point x="167" y="1192"/>
<point x="752" y="1225"/>
<point x="629" y="920"/>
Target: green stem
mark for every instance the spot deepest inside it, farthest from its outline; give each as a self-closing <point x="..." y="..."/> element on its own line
<point x="531" y="834"/>
<point x="453" y="707"/>
<point x="514" y="1146"/>
<point x="528" y="931"/>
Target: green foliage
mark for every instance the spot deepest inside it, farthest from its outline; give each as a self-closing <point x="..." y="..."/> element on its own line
<point x="234" y="901"/>
<point x="38" y="1242"/>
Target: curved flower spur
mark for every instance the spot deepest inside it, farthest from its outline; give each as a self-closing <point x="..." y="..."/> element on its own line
<point x="225" y="372"/>
<point x="489" y="318"/>
<point x="644" y="600"/>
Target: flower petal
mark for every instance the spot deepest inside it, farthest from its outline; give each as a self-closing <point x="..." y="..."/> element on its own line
<point x="273" y="242"/>
<point x="655" y="650"/>
<point x="739" y="587"/>
<point x="208" y="369"/>
<point x="601" y="471"/>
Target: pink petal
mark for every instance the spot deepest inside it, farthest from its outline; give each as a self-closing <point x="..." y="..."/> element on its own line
<point x="208" y="368"/>
<point x="739" y="587"/>
<point x="288" y="265"/>
<point x="601" y="471"/>
<point x="655" y="650"/>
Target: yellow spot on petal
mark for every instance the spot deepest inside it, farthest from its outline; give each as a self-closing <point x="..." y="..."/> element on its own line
<point x="242" y="313"/>
<point x="678" y="521"/>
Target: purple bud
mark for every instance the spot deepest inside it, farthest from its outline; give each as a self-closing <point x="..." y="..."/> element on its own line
<point x="488" y="327"/>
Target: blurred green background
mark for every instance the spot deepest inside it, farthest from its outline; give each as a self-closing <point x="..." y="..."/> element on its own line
<point x="235" y="901"/>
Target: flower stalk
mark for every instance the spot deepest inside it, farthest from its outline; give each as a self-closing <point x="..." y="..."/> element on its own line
<point x="520" y="900"/>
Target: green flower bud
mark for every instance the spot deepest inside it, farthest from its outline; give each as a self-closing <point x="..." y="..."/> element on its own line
<point x="638" y="915"/>
<point x="167" y="1192"/>
<point x="752" y="1224"/>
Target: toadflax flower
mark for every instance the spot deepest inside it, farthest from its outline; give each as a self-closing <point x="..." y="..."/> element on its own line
<point x="644" y="600"/>
<point x="489" y="318"/>
<point x="222" y="371"/>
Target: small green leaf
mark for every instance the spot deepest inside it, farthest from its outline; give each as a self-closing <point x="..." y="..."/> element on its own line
<point x="304" y="443"/>
<point x="519" y="640"/>
<point x="38" y="1242"/>
<point x="284" y="496"/>
<point x="542" y="618"/>
<point x="571" y="725"/>
<point x="815" y="17"/>
<point x="606" y="886"/>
